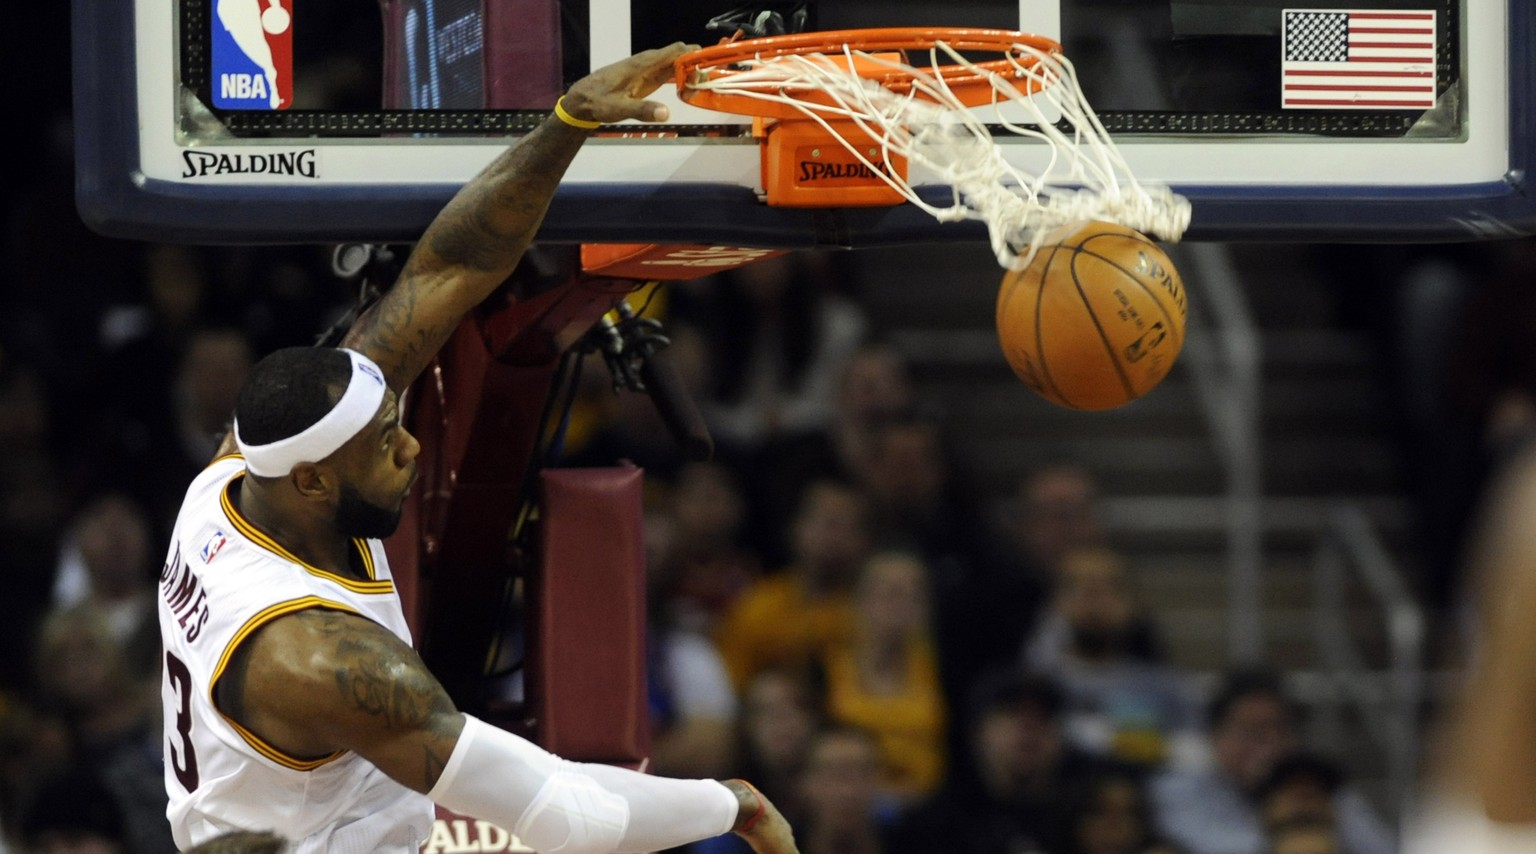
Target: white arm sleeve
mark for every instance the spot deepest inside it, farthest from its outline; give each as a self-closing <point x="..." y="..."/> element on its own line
<point x="561" y="807"/>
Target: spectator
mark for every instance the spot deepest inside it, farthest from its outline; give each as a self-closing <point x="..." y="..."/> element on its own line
<point x="779" y="335"/>
<point x="789" y="618"/>
<point x="920" y="501"/>
<point x="1123" y="699"/>
<point x="212" y="368"/>
<point x="875" y="388"/>
<point x="837" y="789"/>
<point x="1252" y="727"/>
<point x="143" y="339"/>
<point x="1107" y="813"/>
<point x="886" y="679"/>
<point x="1301" y="787"/>
<point x="114" y="721"/>
<point x="78" y="814"/>
<point x="923" y="505"/>
<point x="840" y="787"/>
<point x="1305" y="837"/>
<point x="1013" y="799"/>
<point x="984" y="622"/>
<point x="691" y="699"/>
<point x="32" y="502"/>
<point x="107" y="563"/>
<point x="780" y="714"/>
<point x="152" y="453"/>
<point x="693" y="708"/>
<point x="698" y="545"/>
<point x="1056" y="511"/>
<point x="35" y="749"/>
<point x="140" y="343"/>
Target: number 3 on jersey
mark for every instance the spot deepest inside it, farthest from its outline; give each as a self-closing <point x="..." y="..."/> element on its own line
<point x="183" y="761"/>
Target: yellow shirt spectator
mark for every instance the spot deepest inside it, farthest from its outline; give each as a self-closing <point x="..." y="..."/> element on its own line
<point x="776" y="623"/>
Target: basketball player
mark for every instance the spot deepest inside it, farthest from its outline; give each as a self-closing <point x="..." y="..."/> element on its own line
<point x="293" y="699"/>
<point x="1480" y="798"/>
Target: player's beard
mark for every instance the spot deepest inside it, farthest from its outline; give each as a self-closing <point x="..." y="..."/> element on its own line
<point x="355" y="517"/>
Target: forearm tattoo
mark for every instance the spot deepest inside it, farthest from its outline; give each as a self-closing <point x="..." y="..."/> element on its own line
<point x="396" y="334"/>
<point x="487" y="226"/>
<point x="380" y="680"/>
<point x="485" y="229"/>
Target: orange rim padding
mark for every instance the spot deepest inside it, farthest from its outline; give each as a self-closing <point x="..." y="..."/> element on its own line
<point x="968" y="84"/>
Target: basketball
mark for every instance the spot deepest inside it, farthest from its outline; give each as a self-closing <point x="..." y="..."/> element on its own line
<point x="1096" y="319"/>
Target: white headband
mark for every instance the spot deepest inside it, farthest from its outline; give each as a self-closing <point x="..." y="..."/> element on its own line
<point x="319" y="440"/>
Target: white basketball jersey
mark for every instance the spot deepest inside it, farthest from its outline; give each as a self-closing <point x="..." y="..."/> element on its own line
<point x="223" y="579"/>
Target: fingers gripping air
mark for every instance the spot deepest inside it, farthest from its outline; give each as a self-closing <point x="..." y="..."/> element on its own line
<point x="572" y="814"/>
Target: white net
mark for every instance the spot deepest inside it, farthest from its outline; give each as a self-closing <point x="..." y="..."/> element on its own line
<point x="1085" y="177"/>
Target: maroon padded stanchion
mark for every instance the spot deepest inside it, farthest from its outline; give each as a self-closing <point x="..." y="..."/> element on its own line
<point x="585" y="601"/>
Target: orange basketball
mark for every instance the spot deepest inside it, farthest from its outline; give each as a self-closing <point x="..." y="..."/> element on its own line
<point x="1096" y="319"/>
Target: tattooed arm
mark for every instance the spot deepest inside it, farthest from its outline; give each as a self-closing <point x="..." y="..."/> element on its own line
<point x="473" y="245"/>
<point x="318" y="681"/>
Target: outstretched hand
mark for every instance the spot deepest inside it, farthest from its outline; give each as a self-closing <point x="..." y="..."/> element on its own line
<point x="618" y="91"/>
<point x="763" y="826"/>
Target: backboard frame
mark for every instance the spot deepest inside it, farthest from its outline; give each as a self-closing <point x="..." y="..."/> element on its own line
<point x="127" y="184"/>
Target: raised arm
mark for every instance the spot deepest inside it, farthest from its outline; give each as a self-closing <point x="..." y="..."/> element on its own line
<point x="319" y="681"/>
<point x="476" y="241"/>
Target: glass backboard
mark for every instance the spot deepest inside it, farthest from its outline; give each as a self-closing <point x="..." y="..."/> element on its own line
<point x="212" y="120"/>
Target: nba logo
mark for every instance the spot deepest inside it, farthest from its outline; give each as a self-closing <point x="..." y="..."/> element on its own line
<point x="252" y="50"/>
<point x="210" y="549"/>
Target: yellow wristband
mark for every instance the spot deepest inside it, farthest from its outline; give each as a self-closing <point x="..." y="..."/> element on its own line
<point x="571" y="120"/>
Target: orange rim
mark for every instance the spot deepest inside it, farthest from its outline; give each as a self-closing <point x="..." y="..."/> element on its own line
<point x="970" y="84"/>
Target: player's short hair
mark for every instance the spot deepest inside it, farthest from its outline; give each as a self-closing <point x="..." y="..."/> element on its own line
<point x="290" y="390"/>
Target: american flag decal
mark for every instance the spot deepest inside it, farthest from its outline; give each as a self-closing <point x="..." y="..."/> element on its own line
<point x="1357" y="59"/>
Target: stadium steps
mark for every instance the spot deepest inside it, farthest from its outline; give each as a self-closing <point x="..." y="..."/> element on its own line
<point x="1328" y="434"/>
<point x="1327" y="429"/>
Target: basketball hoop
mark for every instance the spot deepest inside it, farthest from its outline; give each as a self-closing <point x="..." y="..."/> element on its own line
<point x="857" y="88"/>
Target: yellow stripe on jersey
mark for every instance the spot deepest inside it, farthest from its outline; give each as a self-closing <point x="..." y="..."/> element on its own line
<point x="255" y="535"/>
<point x="367" y="553"/>
<point x="216" y="460"/>
<point x="278" y="756"/>
<point x="263" y="617"/>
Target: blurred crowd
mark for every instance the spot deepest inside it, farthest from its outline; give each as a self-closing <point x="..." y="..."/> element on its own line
<point x="112" y="396"/>
<point x="903" y="661"/>
<point x="905" y="664"/>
